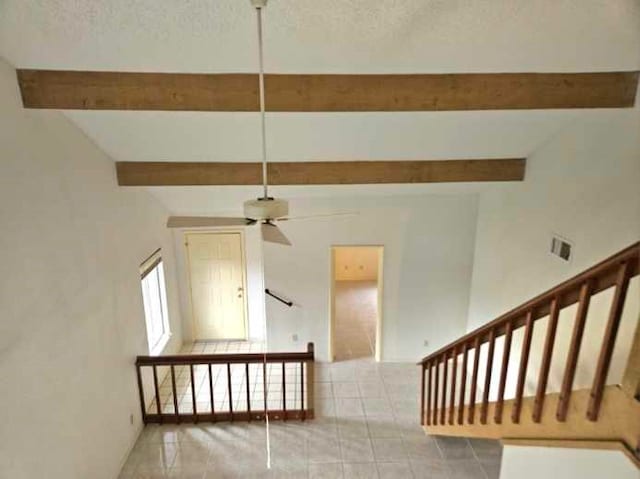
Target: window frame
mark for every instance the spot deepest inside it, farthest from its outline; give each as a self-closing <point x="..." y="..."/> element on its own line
<point x="153" y="267"/>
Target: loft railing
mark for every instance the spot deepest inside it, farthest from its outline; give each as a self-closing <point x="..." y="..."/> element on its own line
<point x="226" y="387"/>
<point x="442" y="404"/>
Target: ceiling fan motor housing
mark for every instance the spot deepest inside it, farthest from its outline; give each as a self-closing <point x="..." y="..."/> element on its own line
<point x="266" y="208"/>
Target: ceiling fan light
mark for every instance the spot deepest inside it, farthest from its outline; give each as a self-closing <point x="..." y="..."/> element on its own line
<point x="266" y="208"/>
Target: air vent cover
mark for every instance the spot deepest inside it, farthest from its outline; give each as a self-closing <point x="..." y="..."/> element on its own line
<point x="561" y="248"/>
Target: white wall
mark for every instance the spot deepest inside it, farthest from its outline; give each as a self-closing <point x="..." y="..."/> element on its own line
<point x="583" y="185"/>
<point x="526" y="462"/>
<point x="428" y="248"/>
<point x="71" y="314"/>
<point x="255" y="284"/>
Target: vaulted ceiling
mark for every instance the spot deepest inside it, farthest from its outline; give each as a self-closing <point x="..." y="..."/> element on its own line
<point x="332" y="36"/>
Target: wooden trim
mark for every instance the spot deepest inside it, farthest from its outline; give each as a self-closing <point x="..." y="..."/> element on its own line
<point x="574" y="352"/>
<point x="443" y="399"/>
<point x="95" y="90"/>
<point x="503" y="373"/>
<point x="547" y="354"/>
<point x="474" y="380"/>
<point x="454" y="372"/>
<point x="185" y="359"/>
<point x="153" y="173"/>
<point x="143" y="406"/>
<point x="602" y="276"/>
<point x="619" y="420"/>
<point x="193" y="392"/>
<point x="274" y="414"/>
<point x="436" y="390"/>
<point x="422" y="392"/>
<point x="311" y="382"/>
<point x="487" y="377"/>
<point x="522" y="371"/>
<point x="608" y="341"/>
<point x="429" y="392"/>
<point x="157" y="390"/>
<point x="175" y="393"/>
<point x="463" y="383"/>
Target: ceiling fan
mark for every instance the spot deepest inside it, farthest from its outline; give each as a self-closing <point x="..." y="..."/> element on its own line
<point x="265" y="210"/>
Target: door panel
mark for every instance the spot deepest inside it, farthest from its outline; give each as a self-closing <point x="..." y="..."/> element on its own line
<point x="217" y="285"/>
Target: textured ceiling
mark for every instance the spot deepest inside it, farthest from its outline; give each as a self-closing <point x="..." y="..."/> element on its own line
<point x="304" y="36"/>
<point x="323" y="36"/>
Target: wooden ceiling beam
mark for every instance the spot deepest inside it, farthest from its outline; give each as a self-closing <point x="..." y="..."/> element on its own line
<point x="319" y="172"/>
<point x="86" y="90"/>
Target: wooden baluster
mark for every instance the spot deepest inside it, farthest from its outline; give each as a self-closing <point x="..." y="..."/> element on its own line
<point x="264" y="388"/>
<point x="508" y="329"/>
<point x="211" y="395"/>
<point x="422" y="392"/>
<point x="229" y="391"/>
<point x="174" y="389"/>
<point x="284" y="393"/>
<point x="443" y="404"/>
<point x="304" y="413"/>
<point x="157" y="392"/>
<point x="474" y="380"/>
<point x="522" y="371"/>
<point x="246" y="372"/>
<point x="454" y="371"/>
<point x="574" y="352"/>
<point x="429" y="390"/>
<point x="463" y="383"/>
<point x="193" y="394"/>
<point x="143" y="407"/>
<point x="436" y="389"/>
<point x="608" y="341"/>
<point x="487" y="378"/>
<point x="547" y="354"/>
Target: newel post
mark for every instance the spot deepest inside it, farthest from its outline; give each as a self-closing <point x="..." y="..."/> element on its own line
<point x="310" y="382"/>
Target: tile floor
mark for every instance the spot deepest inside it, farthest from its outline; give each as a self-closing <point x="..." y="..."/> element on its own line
<point x="355" y="319"/>
<point x="366" y="426"/>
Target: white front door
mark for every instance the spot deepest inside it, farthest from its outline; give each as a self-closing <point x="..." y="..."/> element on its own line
<point x="216" y="270"/>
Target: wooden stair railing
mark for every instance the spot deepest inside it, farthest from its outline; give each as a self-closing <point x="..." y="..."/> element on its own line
<point x="238" y="407"/>
<point x="614" y="272"/>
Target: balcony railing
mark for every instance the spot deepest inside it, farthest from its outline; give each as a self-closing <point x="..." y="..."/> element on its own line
<point x="226" y="387"/>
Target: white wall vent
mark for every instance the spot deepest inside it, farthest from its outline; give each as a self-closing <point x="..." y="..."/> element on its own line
<point x="561" y="248"/>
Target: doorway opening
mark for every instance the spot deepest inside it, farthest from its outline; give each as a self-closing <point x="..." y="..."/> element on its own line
<point x="356" y="295"/>
<point x="217" y="280"/>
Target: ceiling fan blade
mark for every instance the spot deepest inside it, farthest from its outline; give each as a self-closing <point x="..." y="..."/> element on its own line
<point x="199" y="221"/>
<point x="310" y="217"/>
<point x="272" y="234"/>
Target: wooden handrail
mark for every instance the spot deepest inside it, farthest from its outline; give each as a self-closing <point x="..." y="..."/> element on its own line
<point x="305" y="360"/>
<point x="614" y="272"/>
<point x="602" y="276"/>
<point x="239" y="358"/>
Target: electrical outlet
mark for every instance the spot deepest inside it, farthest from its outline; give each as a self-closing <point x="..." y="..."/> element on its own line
<point x="294" y="338"/>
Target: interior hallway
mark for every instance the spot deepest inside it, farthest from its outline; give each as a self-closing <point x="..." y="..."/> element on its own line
<point x="356" y="304"/>
<point x="366" y="426"/>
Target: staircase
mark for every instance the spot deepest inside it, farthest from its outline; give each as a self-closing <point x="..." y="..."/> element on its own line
<point x="495" y="382"/>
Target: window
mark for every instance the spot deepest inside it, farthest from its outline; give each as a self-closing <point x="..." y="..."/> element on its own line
<point x="154" y="297"/>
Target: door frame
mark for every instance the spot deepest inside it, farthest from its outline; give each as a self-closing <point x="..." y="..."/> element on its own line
<point x="332" y="302"/>
<point x="243" y="257"/>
